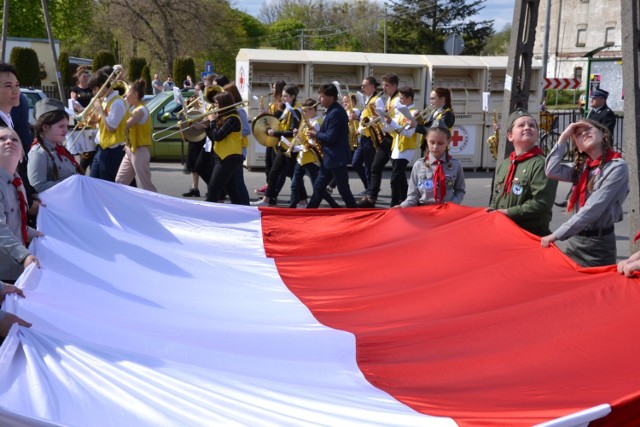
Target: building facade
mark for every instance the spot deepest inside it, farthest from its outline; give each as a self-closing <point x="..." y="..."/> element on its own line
<point x="585" y="42"/>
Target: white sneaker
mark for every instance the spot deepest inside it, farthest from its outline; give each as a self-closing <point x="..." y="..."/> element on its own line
<point x="302" y="204"/>
<point x="260" y="203"/>
<point x="329" y="189"/>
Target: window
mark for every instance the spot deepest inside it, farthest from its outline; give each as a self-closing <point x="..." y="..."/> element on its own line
<point x="610" y="35"/>
<point x="581" y="39"/>
<point x="577" y="73"/>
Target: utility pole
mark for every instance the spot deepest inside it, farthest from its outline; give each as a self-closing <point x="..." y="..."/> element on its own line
<point x="630" y="42"/>
<point x="518" y="79"/>
<point x="5" y="24"/>
<point x="45" y="11"/>
<point x="385" y="29"/>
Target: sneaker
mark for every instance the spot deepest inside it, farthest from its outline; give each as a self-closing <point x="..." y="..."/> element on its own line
<point x="260" y="203"/>
<point x="302" y="204"/>
<point x="273" y="201"/>
<point x="193" y="192"/>
<point x="362" y="193"/>
<point x="366" y="202"/>
<point x="329" y="189"/>
<point x="261" y="190"/>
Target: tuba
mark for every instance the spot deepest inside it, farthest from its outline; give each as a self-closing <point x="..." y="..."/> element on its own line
<point x="374" y="124"/>
<point x="494" y="139"/>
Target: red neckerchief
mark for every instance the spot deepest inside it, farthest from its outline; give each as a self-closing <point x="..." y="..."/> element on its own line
<point x="62" y="152"/>
<point x="514" y="164"/>
<point x="579" y="193"/>
<point x="17" y="182"/>
<point x="439" y="181"/>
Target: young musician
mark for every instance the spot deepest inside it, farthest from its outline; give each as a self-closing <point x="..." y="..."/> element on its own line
<point x="334" y="138"/>
<point x="139" y="128"/>
<point x="283" y="165"/>
<point x="383" y="152"/>
<point x="112" y="116"/>
<point x="276" y="107"/>
<point x="225" y="131"/>
<point x="309" y="155"/>
<point x="405" y="143"/>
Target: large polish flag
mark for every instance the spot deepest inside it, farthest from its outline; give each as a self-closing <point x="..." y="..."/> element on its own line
<point x="155" y="311"/>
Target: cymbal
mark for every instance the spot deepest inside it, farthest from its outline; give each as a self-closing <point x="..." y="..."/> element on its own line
<point x="261" y="124"/>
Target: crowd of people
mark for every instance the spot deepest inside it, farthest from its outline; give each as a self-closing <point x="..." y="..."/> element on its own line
<point x="384" y="126"/>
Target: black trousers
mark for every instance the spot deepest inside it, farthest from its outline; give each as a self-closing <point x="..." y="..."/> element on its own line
<point x="383" y="154"/>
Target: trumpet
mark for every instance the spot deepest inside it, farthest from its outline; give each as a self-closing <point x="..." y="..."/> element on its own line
<point x="353" y="124"/>
<point x="192" y="121"/>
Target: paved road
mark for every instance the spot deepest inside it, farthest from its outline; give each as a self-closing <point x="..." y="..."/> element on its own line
<point x="170" y="180"/>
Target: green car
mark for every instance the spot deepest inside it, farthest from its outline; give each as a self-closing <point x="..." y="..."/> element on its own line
<point x="166" y="113"/>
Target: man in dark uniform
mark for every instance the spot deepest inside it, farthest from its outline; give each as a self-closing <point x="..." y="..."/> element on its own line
<point x="599" y="110"/>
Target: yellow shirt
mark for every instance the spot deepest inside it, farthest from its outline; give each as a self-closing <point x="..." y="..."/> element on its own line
<point x="140" y="133"/>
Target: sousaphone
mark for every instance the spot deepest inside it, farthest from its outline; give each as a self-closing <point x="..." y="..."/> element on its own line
<point x="261" y="124"/>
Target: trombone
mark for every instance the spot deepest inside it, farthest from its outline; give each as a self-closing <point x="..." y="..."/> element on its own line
<point x="85" y="115"/>
<point x="192" y="121"/>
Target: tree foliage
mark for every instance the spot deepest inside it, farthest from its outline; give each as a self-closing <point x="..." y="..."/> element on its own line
<point x="134" y="70"/>
<point x="183" y="66"/>
<point x="498" y="43"/>
<point x="65" y="69"/>
<point x="103" y="58"/>
<point x="422" y="26"/>
<point x="27" y="65"/>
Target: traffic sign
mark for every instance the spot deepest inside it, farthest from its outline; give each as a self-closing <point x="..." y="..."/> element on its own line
<point x="562" y="83"/>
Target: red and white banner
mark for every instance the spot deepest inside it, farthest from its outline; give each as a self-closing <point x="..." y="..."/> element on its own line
<point x="560" y="83"/>
<point x="155" y="311"/>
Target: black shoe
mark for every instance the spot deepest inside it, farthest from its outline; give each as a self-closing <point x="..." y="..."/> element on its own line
<point x="561" y="204"/>
<point x="193" y="192"/>
<point x="273" y="201"/>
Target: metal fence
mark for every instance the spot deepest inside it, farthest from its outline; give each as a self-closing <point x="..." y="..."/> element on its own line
<point x="563" y="118"/>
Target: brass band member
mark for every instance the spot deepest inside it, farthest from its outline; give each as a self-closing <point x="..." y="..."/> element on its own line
<point x="440" y="102"/>
<point x="383" y="152"/>
<point x="308" y="158"/>
<point x="282" y="164"/>
<point x="194" y="148"/>
<point x="276" y="107"/>
<point x="112" y="119"/>
<point x="238" y="179"/>
<point x="365" y="152"/>
<point x="139" y="127"/>
<point x="405" y="144"/>
<point x="225" y="131"/>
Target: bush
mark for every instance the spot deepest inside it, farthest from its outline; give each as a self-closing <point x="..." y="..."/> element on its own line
<point x="65" y="69"/>
<point x="564" y="97"/>
<point x="103" y="58"/>
<point x="134" y="70"/>
<point x="27" y="65"/>
<point x="146" y="75"/>
<point x="183" y="67"/>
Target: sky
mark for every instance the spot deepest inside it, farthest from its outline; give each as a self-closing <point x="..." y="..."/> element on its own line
<point x="501" y="11"/>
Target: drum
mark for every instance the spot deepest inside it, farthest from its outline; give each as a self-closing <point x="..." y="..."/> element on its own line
<point x="81" y="141"/>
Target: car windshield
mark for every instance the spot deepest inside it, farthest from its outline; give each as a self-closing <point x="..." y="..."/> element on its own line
<point x="156" y="100"/>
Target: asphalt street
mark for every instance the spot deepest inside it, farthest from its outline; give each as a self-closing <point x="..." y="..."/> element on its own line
<point x="170" y="180"/>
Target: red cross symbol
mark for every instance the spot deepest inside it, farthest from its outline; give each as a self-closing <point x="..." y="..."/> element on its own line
<point x="456" y="138"/>
<point x="241" y="79"/>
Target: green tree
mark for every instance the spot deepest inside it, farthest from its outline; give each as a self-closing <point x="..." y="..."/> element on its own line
<point x="27" y="65"/>
<point x="421" y="26"/>
<point x="65" y="69"/>
<point x="183" y="66"/>
<point x="146" y="75"/>
<point x="102" y="58"/>
<point x="134" y="70"/>
<point x="498" y="43"/>
<point x="286" y="34"/>
<point x="253" y="28"/>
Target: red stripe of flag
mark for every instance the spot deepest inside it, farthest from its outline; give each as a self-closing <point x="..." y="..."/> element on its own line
<point x="457" y="312"/>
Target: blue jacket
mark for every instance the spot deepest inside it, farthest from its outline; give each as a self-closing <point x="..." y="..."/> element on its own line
<point x="334" y="137"/>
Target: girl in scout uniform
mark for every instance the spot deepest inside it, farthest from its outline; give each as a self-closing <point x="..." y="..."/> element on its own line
<point x="438" y="177"/>
<point x="600" y="180"/>
<point x="136" y="152"/>
<point x="225" y="131"/>
<point x="522" y="191"/>
<point x="49" y="161"/>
